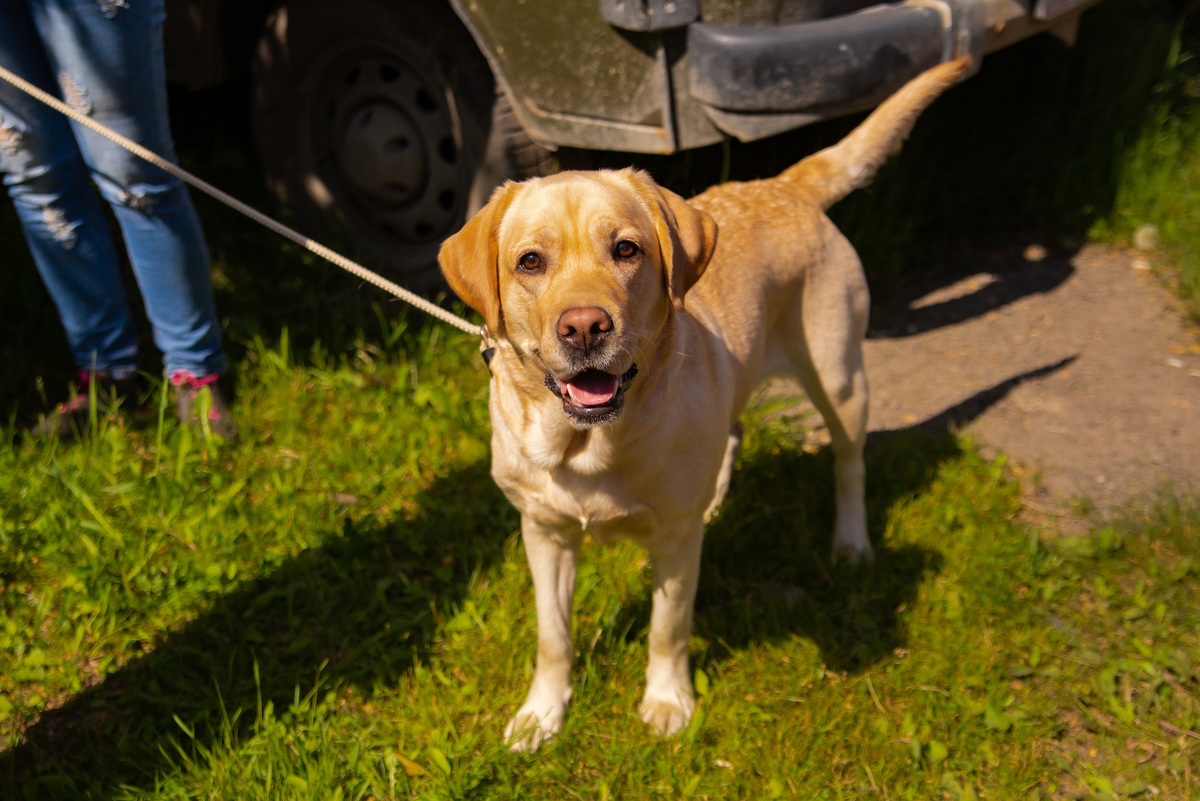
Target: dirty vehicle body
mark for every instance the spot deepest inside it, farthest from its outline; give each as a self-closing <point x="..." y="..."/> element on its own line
<point x="393" y="120"/>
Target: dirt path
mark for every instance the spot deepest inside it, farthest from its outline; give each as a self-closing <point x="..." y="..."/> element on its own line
<point x="1080" y="367"/>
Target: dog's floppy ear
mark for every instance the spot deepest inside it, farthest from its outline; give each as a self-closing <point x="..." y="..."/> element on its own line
<point x="470" y="259"/>
<point x="687" y="238"/>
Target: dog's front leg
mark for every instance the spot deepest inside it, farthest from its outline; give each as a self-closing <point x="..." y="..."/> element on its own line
<point x="670" y="700"/>
<point x="553" y="556"/>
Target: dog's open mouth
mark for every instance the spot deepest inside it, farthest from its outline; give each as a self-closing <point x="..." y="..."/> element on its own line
<point x="592" y="396"/>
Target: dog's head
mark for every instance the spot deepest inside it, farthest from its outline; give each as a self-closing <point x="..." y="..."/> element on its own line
<point x="581" y="271"/>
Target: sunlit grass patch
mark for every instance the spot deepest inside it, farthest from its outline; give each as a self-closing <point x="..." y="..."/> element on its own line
<point x="1124" y="694"/>
<point x="187" y="562"/>
<point x="1159" y="173"/>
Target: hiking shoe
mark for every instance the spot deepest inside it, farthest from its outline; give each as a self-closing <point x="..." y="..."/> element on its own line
<point x="190" y="398"/>
<point x="72" y="417"/>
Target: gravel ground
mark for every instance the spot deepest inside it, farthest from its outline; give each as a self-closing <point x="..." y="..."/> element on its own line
<point x="1081" y="367"/>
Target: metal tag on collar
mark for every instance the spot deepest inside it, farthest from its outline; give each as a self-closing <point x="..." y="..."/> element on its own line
<point x="486" y="353"/>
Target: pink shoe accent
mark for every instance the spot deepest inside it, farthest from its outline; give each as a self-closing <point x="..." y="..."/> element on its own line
<point x="75" y="404"/>
<point x="182" y="378"/>
<point x="80" y="401"/>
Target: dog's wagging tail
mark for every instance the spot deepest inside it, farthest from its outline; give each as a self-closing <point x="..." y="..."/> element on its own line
<point x="830" y="174"/>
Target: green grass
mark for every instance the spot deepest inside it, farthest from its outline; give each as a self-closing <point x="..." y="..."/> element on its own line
<point x="232" y="624"/>
<point x="1160" y="174"/>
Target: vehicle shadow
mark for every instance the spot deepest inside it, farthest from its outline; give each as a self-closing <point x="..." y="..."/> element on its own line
<point x="926" y="300"/>
<point x="359" y="610"/>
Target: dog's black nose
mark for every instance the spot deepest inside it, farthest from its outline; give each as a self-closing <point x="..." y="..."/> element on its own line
<point x="584" y="328"/>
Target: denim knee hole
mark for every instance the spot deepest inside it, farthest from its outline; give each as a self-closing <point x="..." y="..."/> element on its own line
<point x="138" y="201"/>
<point x="60" y="228"/>
<point x="74" y="95"/>
<point x="109" y="8"/>
<point x="10" y="140"/>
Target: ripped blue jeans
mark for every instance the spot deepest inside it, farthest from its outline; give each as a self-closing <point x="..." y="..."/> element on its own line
<point x="104" y="58"/>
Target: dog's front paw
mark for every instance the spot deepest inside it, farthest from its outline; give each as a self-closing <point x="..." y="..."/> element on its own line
<point x="536" y="722"/>
<point x="667" y="715"/>
<point x="850" y="541"/>
<point x="853" y="551"/>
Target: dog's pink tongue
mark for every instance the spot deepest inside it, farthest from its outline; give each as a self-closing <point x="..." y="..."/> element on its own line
<point x="592" y="388"/>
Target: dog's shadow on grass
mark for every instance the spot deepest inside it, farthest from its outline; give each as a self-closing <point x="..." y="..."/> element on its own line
<point x="767" y="572"/>
<point x="358" y="610"/>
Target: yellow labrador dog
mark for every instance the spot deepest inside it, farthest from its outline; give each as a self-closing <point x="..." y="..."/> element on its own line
<point x="629" y="337"/>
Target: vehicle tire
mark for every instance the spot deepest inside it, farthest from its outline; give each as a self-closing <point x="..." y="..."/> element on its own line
<point x="510" y="155"/>
<point x="379" y="119"/>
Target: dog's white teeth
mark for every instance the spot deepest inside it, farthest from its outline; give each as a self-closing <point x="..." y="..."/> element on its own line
<point x="570" y="391"/>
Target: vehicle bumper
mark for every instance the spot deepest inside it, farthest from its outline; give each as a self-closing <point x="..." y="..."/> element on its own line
<point x="757" y="81"/>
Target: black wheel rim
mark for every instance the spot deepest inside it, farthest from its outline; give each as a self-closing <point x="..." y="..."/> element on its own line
<point x="385" y="150"/>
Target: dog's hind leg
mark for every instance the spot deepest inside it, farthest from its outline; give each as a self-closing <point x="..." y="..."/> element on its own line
<point x="553" y="557"/>
<point x="846" y="418"/>
<point x="823" y="337"/>
<point x="732" y="447"/>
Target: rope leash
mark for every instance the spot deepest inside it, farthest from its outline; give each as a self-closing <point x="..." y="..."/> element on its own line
<point x="300" y="239"/>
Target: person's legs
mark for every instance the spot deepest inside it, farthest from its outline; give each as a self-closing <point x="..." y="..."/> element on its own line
<point x="108" y="59"/>
<point x="47" y="180"/>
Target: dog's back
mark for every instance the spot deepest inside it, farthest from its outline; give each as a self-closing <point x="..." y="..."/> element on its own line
<point x="778" y="225"/>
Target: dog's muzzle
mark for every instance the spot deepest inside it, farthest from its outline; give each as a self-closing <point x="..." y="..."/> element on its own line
<point x="592" y="397"/>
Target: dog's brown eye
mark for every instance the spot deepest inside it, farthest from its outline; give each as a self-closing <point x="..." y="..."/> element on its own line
<point x="626" y="250"/>
<point x="531" y="263"/>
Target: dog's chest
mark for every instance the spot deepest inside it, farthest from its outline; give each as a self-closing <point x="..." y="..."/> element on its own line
<point x="607" y="505"/>
<point x="622" y="481"/>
